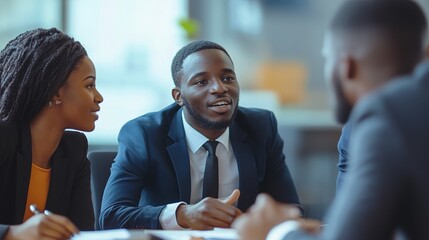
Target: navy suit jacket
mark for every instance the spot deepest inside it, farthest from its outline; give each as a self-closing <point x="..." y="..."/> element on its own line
<point x="69" y="190"/>
<point x="152" y="167"/>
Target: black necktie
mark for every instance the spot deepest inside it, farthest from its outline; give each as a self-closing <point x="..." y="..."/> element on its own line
<point x="211" y="175"/>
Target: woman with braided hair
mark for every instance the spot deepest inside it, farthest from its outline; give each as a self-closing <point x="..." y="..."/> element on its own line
<point x="47" y="85"/>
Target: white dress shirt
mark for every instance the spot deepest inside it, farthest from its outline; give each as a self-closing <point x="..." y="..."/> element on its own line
<point x="228" y="171"/>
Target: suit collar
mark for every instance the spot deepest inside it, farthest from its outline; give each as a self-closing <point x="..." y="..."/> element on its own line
<point x="58" y="181"/>
<point x="195" y="139"/>
<point x="246" y="163"/>
<point x="23" y="173"/>
<point x="178" y="152"/>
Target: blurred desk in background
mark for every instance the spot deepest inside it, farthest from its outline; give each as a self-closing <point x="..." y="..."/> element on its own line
<point x="310" y="147"/>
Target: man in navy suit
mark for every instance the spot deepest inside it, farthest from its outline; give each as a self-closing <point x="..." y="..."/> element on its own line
<point x="158" y="175"/>
<point x="369" y="43"/>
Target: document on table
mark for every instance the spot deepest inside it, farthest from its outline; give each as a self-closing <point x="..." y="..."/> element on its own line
<point x="216" y="234"/>
<point x="123" y="234"/>
<point x="117" y="234"/>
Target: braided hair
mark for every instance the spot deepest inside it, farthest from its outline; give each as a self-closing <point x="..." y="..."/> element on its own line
<point x="33" y="67"/>
<point x="196" y="46"/>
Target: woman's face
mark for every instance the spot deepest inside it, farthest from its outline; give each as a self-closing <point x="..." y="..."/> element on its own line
<point x="79" y="98"/>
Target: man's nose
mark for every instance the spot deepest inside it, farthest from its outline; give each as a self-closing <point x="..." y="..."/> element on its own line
<point x="218" y="86"/>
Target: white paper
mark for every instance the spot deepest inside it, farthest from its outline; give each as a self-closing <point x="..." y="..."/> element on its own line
<point x="217" y="233"/>
<point x="117" y="234"/>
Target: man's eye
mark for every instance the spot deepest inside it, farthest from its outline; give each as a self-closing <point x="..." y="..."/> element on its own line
<point x="228" y="79"/>
<point x="201" y="82"/>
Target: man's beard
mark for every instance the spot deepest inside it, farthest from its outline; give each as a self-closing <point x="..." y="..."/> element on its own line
<point x="343" y="109"/>
<point x="206" y="123"/>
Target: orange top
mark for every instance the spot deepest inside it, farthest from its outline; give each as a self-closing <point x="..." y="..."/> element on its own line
<point x="38" y="189"/>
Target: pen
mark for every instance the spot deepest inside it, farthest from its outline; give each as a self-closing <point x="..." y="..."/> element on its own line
<point x="34" y="209"/>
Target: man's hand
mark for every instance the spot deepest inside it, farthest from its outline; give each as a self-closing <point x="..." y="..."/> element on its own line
<point x="209" y="213"/>
<point x="262" y="216"/>
<point x="42" y="226"/>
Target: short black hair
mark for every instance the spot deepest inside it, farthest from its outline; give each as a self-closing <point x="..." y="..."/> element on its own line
<point x="402" y="21"/>
<point x="33" y="66"/>
<point x="195" y="46"/>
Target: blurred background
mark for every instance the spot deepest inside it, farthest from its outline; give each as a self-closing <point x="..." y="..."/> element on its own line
<point x="275" y="46"/>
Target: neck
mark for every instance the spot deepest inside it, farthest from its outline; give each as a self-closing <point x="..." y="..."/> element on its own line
<point x="377" y="79"/>
<point x="45" y="137"/>
<point x="212" y="134"/>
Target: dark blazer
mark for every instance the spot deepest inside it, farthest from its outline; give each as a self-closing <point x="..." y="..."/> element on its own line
<point x="69" y="190"/>
<point x="387" y="186"/>
<point x="152" y="166"/>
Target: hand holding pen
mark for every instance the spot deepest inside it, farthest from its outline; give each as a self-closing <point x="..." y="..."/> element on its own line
<point x="44" y="225"/>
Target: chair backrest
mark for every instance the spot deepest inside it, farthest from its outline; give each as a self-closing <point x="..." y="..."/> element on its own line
<point x="100" y="172"/>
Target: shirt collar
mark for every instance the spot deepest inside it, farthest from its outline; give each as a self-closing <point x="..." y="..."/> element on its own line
<point x="195" y="139"/>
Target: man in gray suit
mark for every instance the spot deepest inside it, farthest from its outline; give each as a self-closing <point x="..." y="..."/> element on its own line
<point x="370" y="42"/>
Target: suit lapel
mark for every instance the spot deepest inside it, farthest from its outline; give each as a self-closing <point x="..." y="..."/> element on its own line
<point x="246" y="166"/>
<point x="58" y="181"/>
<point x="178" y="152"/>
<point x="23" y="171"/>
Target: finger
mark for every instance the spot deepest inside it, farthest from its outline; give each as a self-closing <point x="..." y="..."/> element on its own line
<point x="217" y="221"/>
<point x="50" y="232"/>
<point x="230" y="210"/>
<point x="223" y="217"/>
<point x="68" y="224"/>
<point x="48" y="227"/>
<point x="310" y="225"/>
<point x="62" y="223"/>
<point x="239" y="213"/>
<point x="233" y="198"/>
<point x="219" y="211"/>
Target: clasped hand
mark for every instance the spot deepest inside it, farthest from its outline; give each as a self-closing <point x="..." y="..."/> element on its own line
<point x="209" y="213"/>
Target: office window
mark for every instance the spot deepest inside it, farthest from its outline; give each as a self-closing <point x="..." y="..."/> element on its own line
<point x="132" y="44"/>
<point x="18" y="16"/>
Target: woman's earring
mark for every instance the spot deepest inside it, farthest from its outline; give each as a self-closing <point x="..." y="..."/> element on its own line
<point x="50" y="104"/>
<point x="57" y="102"/>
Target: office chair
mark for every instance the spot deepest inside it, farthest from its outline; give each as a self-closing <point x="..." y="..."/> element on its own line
<point x="100" y="172"/>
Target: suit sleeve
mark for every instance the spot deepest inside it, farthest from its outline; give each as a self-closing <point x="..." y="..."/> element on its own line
<point x="129" y="175"/>
<point x="343" y="154"/>
<point x="278" y="181"/>
<point x="81" y="211"/>
<point x="8" y="144"/>
<point x="373" y="189"/>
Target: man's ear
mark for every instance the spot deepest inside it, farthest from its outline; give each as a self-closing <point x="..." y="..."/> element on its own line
<point x="177" y="96"/>
<point x="350" y="78"/>
<point x="348" y="69"/>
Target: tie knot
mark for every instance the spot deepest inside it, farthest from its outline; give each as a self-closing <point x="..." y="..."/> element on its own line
<point x="210" y="146"/>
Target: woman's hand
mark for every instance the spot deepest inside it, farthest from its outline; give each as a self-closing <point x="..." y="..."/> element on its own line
<point x="43" y="226"/>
